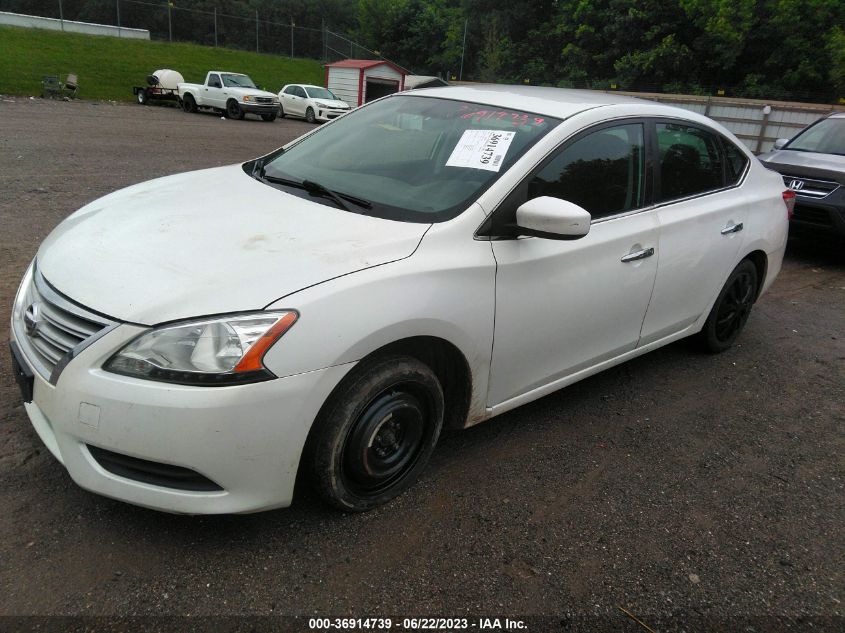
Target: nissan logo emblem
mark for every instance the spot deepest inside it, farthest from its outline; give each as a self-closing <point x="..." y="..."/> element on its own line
<point x="796" y="185"/>
<point x="30" y="319"/>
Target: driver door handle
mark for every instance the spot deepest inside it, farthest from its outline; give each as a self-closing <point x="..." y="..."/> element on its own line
<point x="733" y="228"/>
<point x="632" y="257"/>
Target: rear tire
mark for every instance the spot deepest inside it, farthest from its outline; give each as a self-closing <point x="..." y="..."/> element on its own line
<point x="142" y="96"/>
<point x="376" y="433"/>
<point x="188" y="104"/>
<point x="233" y="110"/>
<point x="309" y="115"/>
<point x="731" y="310"/>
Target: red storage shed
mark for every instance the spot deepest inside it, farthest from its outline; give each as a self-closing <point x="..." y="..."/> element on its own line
<point x="358" y="81"/>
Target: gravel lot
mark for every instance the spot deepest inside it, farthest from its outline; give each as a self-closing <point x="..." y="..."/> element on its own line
<point x="678" y="486"/>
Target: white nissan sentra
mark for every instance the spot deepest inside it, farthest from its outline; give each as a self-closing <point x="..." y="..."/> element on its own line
<point x="430" y="260"/>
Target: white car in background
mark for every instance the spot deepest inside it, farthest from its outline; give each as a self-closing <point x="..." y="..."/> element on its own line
<point x="312" y="103"/>
<point x="431" y="260"/>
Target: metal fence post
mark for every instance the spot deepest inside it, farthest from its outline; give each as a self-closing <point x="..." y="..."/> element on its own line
<point x="463" y="50"/>
<point x="215" y="27"/>
<point x="61" y="15"/>
<point x="291" y="37"/>
<point x="117" y="4"/>
<point x="256" y="30"/>
<point x="169" y="23"/>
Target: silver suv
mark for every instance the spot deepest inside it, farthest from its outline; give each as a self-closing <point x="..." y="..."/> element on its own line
<point x="813" y="166"/>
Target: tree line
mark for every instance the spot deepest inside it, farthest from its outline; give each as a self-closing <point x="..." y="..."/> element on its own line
<point x="773" y="49"/>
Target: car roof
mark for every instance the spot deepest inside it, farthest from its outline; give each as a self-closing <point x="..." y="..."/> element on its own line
<point x="554" y="102"/>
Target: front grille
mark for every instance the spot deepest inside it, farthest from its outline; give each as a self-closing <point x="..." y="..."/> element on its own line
<point x="264" y="99"/>
<point x="155" y="473"/>
<point x="812" y="215"/>
<point x="810" y="187"/>
<point x="50" y="327"/>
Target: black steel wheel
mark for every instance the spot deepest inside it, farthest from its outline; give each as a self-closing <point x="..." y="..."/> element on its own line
<point x="309" y="115"/>
<point x="233" y="110"/>
<point x="732" y="308"/>
<point x="375" y="433"/>
<point x="188" y="104"/>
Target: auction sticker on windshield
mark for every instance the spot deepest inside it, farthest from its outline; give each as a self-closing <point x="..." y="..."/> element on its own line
<point x="481" y="149"/>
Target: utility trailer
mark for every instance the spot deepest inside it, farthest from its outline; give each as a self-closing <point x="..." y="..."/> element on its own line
<point x="161" y="86"/>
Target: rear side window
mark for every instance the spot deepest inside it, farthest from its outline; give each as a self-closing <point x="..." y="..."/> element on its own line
<point x="691" y="161"/>
<point x="602" y="172"/>
<point x="735" y="163"/>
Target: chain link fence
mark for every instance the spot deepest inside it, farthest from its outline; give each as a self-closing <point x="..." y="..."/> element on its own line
<point x="169" y="22"/>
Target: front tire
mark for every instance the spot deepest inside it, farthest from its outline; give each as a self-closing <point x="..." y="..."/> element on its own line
<point x="375" y="433"/>
<point x="309" y="115"/>
<point x="269" y="117"/>
<point x="731" y="310"/>
<point x="233" y="110"/>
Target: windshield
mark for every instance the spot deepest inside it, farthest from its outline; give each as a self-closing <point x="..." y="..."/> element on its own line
<point x="238" y="81"/>
<point x="417" y="159"/>
<point x="826" y="137"/>
<point x="320" y="93"/>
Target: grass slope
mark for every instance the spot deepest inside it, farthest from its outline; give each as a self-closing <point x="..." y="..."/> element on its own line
<point x="108" y="67"/>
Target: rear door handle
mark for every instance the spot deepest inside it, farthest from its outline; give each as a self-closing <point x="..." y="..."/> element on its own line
<point x="734" y="228"/>
<point x="632" y="257"/>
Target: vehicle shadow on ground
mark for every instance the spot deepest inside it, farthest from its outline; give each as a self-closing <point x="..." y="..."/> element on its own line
<point x="814" y="248"/>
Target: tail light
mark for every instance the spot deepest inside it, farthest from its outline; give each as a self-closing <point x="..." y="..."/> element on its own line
<point x="789" y="201"/>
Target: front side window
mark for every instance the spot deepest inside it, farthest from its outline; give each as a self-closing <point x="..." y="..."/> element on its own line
<point x="825" y="137"/>
<point x="602" y="172"/>
<point x="691" y="161"/>
<point x="299" y="91"/>
<point x="214" y="82"/>
<point x="411" y="158"/>
<point x="238" y="81"/>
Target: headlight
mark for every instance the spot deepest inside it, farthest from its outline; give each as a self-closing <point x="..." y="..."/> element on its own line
<point x="223" y="351"/>
<point x="323" y="105"/>
<point x="247" y="98"/>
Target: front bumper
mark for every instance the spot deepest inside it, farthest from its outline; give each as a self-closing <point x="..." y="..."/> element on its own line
<point x="327" y="114"/>
<point x="247" y="439"/>
<point x="260" y="108"/>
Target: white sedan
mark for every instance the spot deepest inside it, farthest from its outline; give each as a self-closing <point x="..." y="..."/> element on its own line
<point x="312" y="103"/>
<point x="431" y="260"/>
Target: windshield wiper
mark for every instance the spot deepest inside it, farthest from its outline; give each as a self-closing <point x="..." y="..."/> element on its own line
<point x="316" y="188"/>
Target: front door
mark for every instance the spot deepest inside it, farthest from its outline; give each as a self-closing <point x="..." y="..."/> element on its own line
<point x="213" y="96"/>
<point x="564" y="306"/>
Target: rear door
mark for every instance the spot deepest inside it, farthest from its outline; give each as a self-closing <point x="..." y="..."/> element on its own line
<point x="701" y="211"/>
<point x="563" y="306"/>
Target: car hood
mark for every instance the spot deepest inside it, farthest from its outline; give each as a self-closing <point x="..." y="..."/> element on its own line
<point x="807" y="164"/>
<point x="335" y="103"/>
<point x="251" y="91"/>
<point x="209" y="242"/>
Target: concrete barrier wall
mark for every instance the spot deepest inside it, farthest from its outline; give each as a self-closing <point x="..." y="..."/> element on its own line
<point x="37" y="22"/>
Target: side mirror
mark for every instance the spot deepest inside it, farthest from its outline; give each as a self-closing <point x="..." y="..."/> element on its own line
<point x="780" y="143"/>
<point x="552" y="218"/>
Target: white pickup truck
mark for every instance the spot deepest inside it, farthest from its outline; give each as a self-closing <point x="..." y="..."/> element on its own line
<point x="234" y="94"/>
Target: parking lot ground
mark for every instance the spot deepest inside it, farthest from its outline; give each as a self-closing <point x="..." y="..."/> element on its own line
<point x="678" y="485"/>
